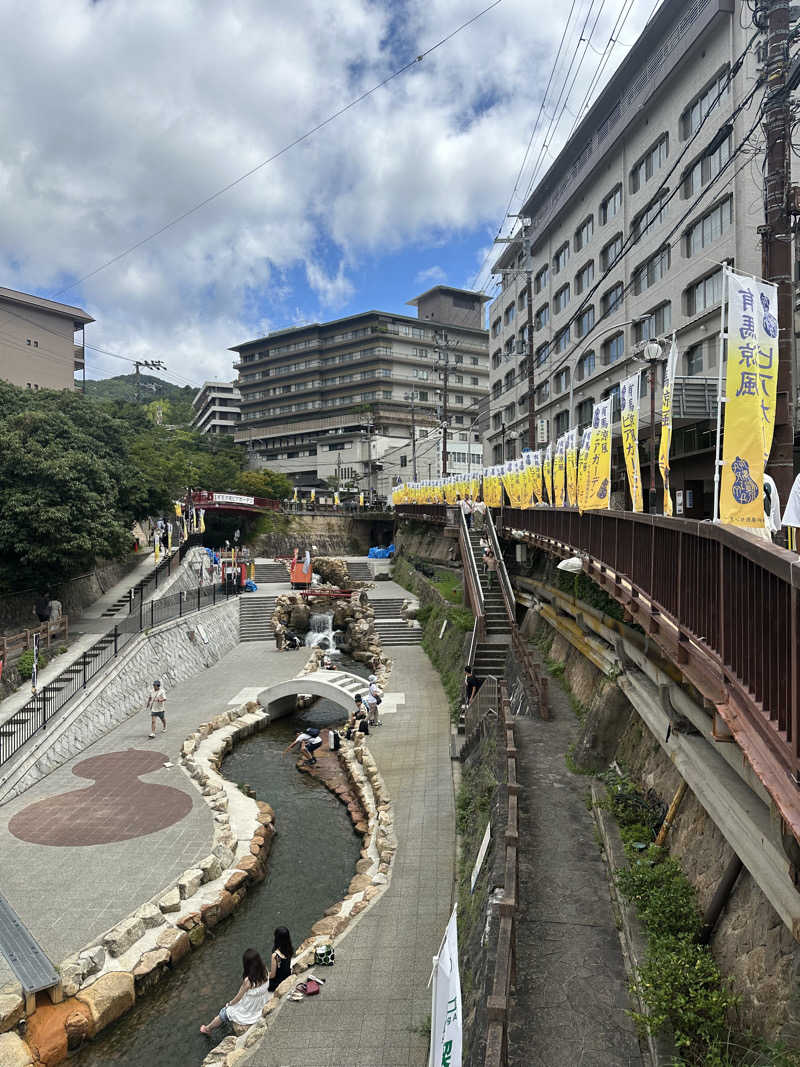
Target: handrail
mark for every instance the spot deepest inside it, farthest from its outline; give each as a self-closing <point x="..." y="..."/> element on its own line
<point x="502" y="573"/>
<point x="13" y="645"/>
<point x="471" y="573"/>
<point x="723" y="605"/>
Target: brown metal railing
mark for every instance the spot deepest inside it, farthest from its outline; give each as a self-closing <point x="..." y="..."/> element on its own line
<point x="722" y="604"/>
<point x="499" y="1000"/>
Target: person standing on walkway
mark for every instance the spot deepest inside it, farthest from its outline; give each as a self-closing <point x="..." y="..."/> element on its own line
<point x="490" y="560"/>
<point x="478" y="515"/>
<point x="280" y="966"/>
<point x="41" y="608"/>
<point x="157" y="706"/>
<point x="374" y="699"/>
<point x="467" y="507"/>
<point x="248" y="1004"/>
<point x="471" y="684"/>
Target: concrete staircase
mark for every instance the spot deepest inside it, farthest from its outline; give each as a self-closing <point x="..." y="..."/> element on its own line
<point x="359" y="571"/>
<point x="270" y="572"/>
<point x="490" y="655"/>
<point x="255" y="617"/>
<point x="387" y="609"/>
<point x="391" y="627"/>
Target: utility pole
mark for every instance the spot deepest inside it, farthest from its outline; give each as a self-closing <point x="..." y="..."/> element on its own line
<point x="149" y="364"/>
<point x="412" y="396"/>
<point x="369" y="433"/>
<point x="776" y="240"/>
<point x="531" y="383"/>
<point x="443" y="345"/>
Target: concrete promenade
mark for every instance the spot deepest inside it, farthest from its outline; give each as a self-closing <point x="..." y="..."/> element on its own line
<point x="374" y="1008"/>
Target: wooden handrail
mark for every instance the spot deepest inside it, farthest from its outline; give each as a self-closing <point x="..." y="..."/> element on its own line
<point x="13" y="645"/>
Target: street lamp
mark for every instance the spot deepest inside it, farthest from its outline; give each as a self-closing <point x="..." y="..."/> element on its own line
<point x="652" y="355"/>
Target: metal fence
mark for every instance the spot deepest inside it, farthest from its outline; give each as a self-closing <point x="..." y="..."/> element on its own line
<point x="51" y="698"/>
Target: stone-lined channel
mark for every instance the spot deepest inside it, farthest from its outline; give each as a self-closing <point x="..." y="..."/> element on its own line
<point x="312" y="860"/>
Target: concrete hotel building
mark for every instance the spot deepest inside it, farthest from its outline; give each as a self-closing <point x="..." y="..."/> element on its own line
<point x="217" y="408"/>
<point x="606" y="192"/>
<point x="333" y="400"/>
<point x="38" y="347"/>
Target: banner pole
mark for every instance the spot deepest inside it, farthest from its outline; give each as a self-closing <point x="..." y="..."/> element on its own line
<point x="720" y="354"/>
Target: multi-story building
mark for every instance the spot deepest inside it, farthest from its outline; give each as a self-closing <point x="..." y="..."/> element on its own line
<point x="217" y="408"/>
<point x="38" y="347"/>
<point x="624" y="240"/>
<point x="333" y="400"/>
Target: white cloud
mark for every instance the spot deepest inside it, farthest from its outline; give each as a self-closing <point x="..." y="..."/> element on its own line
<point x="430" y="276"/>
<point x="117" y="117"/>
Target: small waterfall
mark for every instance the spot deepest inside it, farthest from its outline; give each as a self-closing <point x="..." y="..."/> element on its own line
<point x="321" y="633"/>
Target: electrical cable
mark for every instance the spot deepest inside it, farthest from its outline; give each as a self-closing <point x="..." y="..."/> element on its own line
<point x="281" y="152"/>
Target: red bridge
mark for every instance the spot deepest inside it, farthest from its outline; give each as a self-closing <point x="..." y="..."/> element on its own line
<point x="202" y="498"/>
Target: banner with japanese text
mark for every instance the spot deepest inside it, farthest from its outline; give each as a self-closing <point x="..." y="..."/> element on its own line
<point x="666" y="422"/>
<point x="559" y="470"/>
<point x="548" y="474"/>
<point x="446" y="1023"/>
<point x="572" y="468"/>
<point x="537" y="478"/>
<point x="752" y="376"/>
<point x="527" y="479"/>
<point x="629" y="421"/>
<point x="598" y="474"/>
<point x="583" y="467"/>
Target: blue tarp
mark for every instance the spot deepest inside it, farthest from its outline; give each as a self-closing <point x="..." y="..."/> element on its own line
<point x="250" y="586"/>
<point x="213" y="555"/>
<point x="381" y="553"/>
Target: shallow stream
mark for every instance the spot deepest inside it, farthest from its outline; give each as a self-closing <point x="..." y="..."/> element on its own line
<point x="312" y="861"/>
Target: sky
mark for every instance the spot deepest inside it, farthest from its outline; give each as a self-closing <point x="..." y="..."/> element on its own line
<point x="117" y="117"/>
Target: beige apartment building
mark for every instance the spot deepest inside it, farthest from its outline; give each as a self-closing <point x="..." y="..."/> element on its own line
<point x="338" y="400"/>
<point x="217" y="407"/>
<point x="615" y="259"/>
<point x="38" y="344"/>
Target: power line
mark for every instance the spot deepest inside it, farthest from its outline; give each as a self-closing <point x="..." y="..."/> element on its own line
<point x="281" y="152"/>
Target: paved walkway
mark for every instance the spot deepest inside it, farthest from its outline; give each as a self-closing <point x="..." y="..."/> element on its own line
<point x="71" y="891"/>
<point x="375" y="1006"/>
<point x="571" y="996"/>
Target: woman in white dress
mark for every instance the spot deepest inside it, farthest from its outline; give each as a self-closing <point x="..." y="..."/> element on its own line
<point x="248" y="1004"/>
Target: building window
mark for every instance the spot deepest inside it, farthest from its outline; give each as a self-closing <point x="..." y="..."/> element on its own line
<point x="404" y="461"/>
<point x="652" y="270"/>
<point x="509" y="412"/>
<point x="583" y="412"/>
<point x="459" y="399"/>
<point x="543" y="392"/>
<point x="612" y="299"/>
<point x="542" y="352"/>
<point x="710" y="227"/>
<point x="509" y="314"/>
<point x="584" y="277"/>
<point x="702" y="103"/>
<point x="612" y="394"/>
<point x="541" y="279"/>
<point x="561" y="423"/>
<point x="508" y="381"/>
<point x="585" y="322"/>
<point x="583" y="234"/>
<point x="522" y="299"/>
<point x="704" y="294"/>
<point x="652" y="161"/>
<point x="459" y="379"/>
<point x="561" y="381"/>
<point x="497" y="419"/>
<point x="496" y="327"/>
<point x="561" y="299"/>
<point x="474" y="380"/>
<point x="474" y="361"/>
<point x="561" y="258"/>
<point x="496" y="358"/>
<point x="653" y="215"/>
<point x="613" y="349"/>
<point x="705" y="168"/>
<point x="655" y="324"/>
<point x="585" y="366"/>
<point x="542" y="317"/>
<point x="610" y="253"/>
<point x="611" y="205"/>
<point x="422" y="396"/>
<point x="561" y="341"/>
<point x="694" y="360"/>
<point x="459" y="420"/>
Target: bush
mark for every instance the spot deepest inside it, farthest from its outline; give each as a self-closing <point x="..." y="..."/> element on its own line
<point x="25" y="663"/>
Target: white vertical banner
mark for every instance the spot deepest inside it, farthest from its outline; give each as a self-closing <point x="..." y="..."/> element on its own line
<point x="446" y="1002"/>
<point x="35" y="667"/>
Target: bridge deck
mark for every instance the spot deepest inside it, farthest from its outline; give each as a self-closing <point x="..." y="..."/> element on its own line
<point x="23" y="952"/>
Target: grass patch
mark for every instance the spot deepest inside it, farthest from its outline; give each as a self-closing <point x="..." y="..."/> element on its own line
<point x="448" y="583"/>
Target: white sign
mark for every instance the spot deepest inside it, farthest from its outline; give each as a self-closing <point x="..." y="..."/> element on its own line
<point x="446" y="1005"/>
<point x="476" y="870"/>
<point x="232" y="498"/>
<point x="679" y="501"/>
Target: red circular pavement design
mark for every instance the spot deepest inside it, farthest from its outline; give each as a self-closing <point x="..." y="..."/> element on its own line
<point x="118" y="807"/>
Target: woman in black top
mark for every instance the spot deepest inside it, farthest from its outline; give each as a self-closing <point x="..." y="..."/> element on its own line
<point x="281" y="959"/>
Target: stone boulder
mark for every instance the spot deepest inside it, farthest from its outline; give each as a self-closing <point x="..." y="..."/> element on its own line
<point x="188" y="883"/>
<point x="332" y="571"/>
<point x="150" y="967"/>
<point x="176" y="942"/>
<point x="123" y="935"/>
<point x="107" y="999"/>
<point x="300" y="618"/>
<point x="171" y="900"/>
<point x="12" y="1008"/>
<point x="14" y="1052"/>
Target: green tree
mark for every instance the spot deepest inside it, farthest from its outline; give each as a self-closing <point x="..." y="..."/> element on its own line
<point x="264" y="483"/>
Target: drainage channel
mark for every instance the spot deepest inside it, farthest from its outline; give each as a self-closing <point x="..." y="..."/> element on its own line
<point x="311" y="863"/>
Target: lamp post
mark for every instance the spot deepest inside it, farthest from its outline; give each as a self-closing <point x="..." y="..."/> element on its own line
<point x="652" y="355"/>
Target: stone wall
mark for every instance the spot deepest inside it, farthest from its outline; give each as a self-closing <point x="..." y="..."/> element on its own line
<point x="421" y="541"/>
<point x="16" y="610"/>
<point x="334" y="535"/>
<point x="754" y="949"/>
<point x="186" y="577"/>
<point x="175" y="651"/>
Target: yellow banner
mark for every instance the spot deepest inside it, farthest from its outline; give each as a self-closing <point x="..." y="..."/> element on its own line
<point x="559" y="470"/>
<point x="666" y="422"/>
<point x="752" y="377"/>
<point x="583" y="467"/>
<point x="537" y="478"/>
<point x="157" y="546"/>
<point x="629" y="421"/>
<point x="548" y="474"/>
<point x="598" y="473"/>
<point x="572" y="468"/>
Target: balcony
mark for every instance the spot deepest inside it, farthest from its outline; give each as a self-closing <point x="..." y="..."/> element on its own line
<point x="78" y="357"/>
<point x="694" y="398"/>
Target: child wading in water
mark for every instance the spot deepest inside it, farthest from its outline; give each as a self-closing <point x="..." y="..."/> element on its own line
<point x="246" y="1007"/>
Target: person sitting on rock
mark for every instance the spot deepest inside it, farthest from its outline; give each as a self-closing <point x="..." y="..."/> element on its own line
<point x="309" y="741"/>
<point x="281" y="959"/>
<point x="248" y="1004"/>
